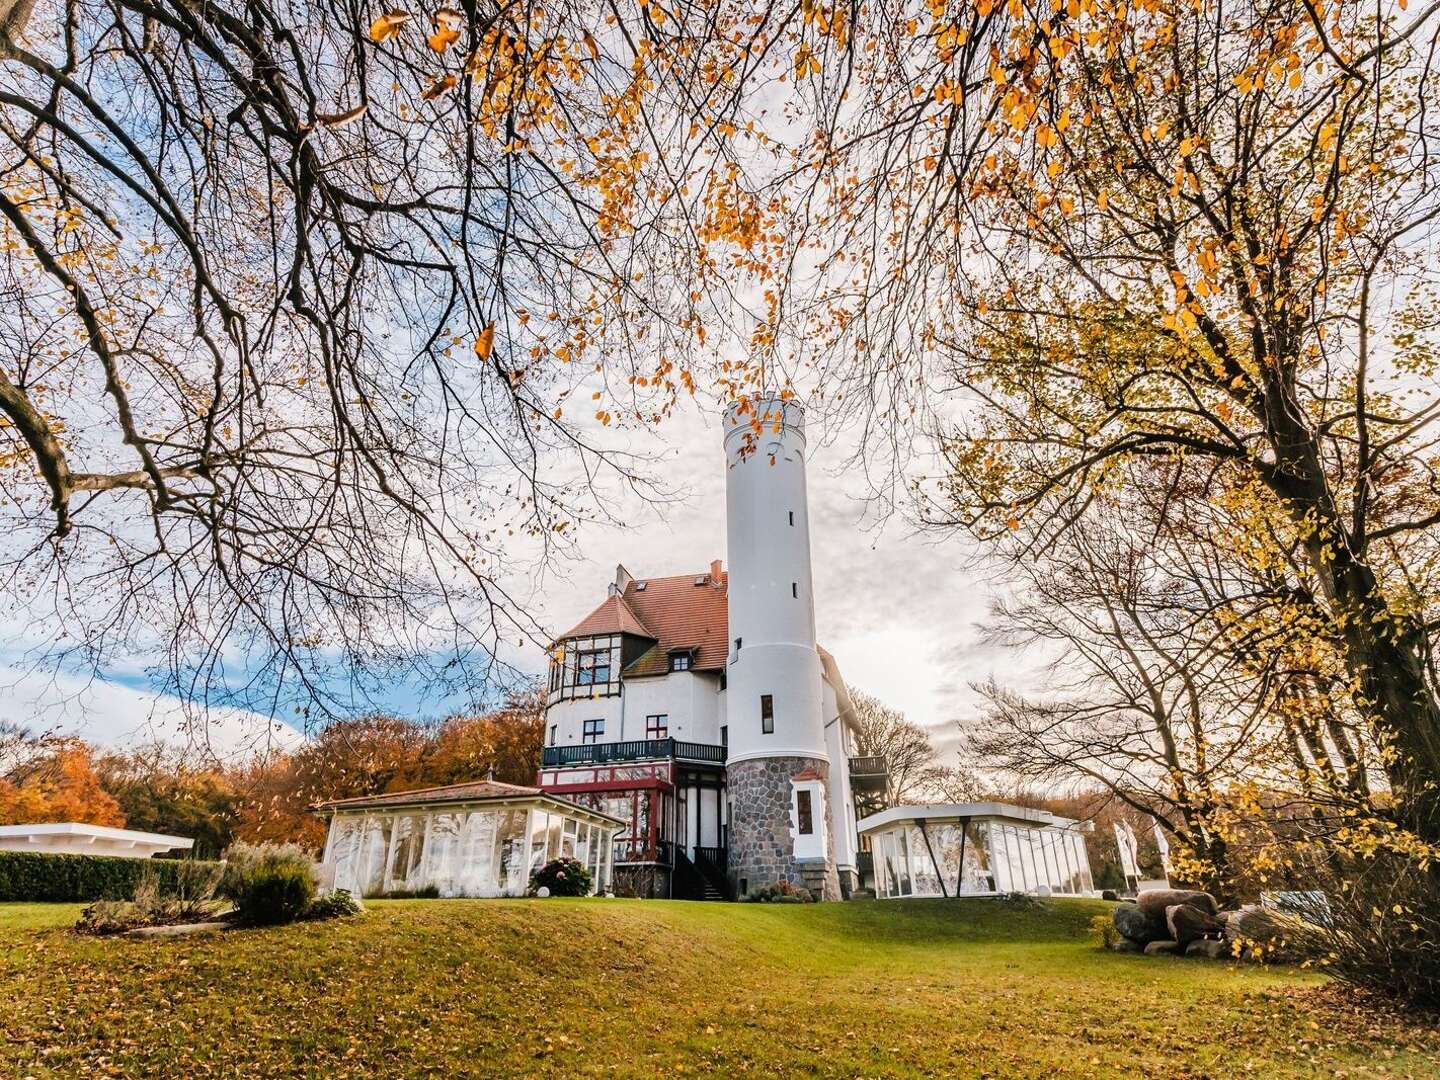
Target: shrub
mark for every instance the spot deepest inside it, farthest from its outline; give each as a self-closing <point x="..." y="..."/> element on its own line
<point x="429" y="892"/>
<point x="1102" y="930"/>
<point x="337" y="904"/>
<point x="43" y="876"/>
<point x="778" y="892"/>
<point x="268" y="883"/>
<point x="110" y="917"/>
<point x="563" y="877"/>
<point x="1380" y="927"/>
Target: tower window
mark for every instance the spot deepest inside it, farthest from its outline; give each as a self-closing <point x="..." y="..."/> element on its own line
<point x="804" y="814"/>
<point x="552" y="734"/>
<point x="792" y="519"/>
<point x="657" y="727"/>
<point x="594" y="668"/>
<point x="767" y="714"/>
<point x="724" y="735"/>
<point x="737" y="643"/>
<point x="795" y="589"/>
<point x="593" y="732"/>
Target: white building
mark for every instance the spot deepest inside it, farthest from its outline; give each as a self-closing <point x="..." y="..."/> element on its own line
<point x="700" y="710"/>
<point x="976" y="849"/>
<point x="78" y="838"/>
<point x="476" y="839"/>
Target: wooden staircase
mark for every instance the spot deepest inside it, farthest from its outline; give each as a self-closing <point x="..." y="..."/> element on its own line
<point x="701" y="878"/>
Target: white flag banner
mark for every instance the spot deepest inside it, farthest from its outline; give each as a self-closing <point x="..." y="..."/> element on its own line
<point x="1129" y="850"/>
<point x="1164" y="845"/>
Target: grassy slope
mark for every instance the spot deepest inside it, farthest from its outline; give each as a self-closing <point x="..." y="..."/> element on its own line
<point x="440" y="988"/>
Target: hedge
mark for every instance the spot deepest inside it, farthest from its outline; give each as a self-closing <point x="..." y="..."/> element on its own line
<point x="38" y="875"/>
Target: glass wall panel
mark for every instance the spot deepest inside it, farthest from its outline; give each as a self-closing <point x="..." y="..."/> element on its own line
<point x="344" y="852"/>
<point x="978" y="877"/>
<point x="408" y="851"/>
<point x="442" y="856"/>
<point x="924" y="880"/>
<point x="374" y="850"/>
<point x="552" y="837"/>
<point x="567" y="838"/>
<point x="511" y="876"/>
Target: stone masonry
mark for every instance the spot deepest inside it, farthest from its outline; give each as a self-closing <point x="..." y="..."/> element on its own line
<point x="762" y="847"/>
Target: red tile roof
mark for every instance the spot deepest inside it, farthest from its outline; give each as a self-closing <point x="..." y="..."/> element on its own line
<point x="675" y="613"/>
<point x="475" y="790"/>
<point x="614" y="616"/>
<point x="682" y="615"/>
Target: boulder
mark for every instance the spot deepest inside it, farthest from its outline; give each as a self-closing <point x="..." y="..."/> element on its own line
<point x="1138" y="926"/>
<point x="1163" y="948"/>
<point x="1209" y="948"/>
<point x="1156" y="901"/>
<point x="1187" y="923"/>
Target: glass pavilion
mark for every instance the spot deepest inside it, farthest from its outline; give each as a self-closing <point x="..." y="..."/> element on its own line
<point x="478" y="839"/>
<point x="975" y="849"/>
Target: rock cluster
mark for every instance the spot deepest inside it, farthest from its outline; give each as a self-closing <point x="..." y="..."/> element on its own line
<point x="1175" y="922"/>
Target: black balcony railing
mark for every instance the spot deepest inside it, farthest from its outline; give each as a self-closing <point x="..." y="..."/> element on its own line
<point x="870" y="773"/>
<point x="634" y="750"/>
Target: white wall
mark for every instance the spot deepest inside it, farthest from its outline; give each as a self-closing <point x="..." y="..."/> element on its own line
<point x="691" y="699"/>
<point x="842" y="816"/>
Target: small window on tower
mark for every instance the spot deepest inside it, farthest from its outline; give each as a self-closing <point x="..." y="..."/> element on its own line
<point x="657" y="727"/>
<point x="792" y="519"/>
<point x="804" y="816"/>
<point x="552" y="734"/>
<point x="737" y="643"/>
<point x="767" y="714"/>
<point x="795" y="589"/>
<point x="593" y="731"/>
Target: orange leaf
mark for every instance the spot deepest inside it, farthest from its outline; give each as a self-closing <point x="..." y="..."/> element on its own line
<point x="485" y="343"/>
<point x="388" y="25"/>
<point x="442" y="38"/>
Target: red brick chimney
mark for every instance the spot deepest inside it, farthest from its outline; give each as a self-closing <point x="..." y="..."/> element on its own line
<point x="716" y="569"/>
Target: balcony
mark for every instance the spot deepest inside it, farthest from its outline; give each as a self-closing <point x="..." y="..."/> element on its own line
<point x="869" y="773"/>
<point x="635" y="750"/>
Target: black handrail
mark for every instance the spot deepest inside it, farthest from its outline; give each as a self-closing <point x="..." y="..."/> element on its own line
<point x="631" y="750"/>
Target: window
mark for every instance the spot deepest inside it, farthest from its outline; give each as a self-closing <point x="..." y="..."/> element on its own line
<point x="724" y="735"/>
<point x="657" y="727"/>
<point x="795" y="589"/>
<point x="594" y="729"/>
<point x="737" y="643"/>
<point x="594" y="668"/>
<point x="792" y="519"/>
<point x="680" y="661"/>
<point x="552" y="733"/>
<point x="804" y="816"/>
<point x="767" y="714"/>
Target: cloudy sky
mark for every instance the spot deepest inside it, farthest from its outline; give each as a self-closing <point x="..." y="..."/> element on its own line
<point x="897" y="609"/>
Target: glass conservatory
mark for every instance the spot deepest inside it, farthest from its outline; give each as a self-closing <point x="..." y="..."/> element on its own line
<point x="975" y="849"/>
<point x="480" y="839"/>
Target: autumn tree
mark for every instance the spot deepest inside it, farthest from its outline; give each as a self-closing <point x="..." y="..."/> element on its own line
<point x="316" y="312"/>
<point x="910" y="759"/>
<point x="52" y="778"/>
<point x="1148" y="230"/>
<point x="159" y="790"/>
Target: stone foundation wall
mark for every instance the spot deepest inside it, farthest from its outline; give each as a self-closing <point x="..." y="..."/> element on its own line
<point x="761" y="847"/>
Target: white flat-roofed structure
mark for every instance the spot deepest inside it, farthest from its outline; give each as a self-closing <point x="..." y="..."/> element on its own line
<point x="477" y="839"/>
<point x="78" y="838"/>
<point x="975" y="849"/>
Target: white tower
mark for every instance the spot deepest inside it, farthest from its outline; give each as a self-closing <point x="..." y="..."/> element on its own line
<point x="777" y="767"/>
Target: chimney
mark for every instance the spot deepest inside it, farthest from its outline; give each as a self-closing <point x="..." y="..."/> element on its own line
<point x="622" y="581"/>
<point x="716" y="569"/>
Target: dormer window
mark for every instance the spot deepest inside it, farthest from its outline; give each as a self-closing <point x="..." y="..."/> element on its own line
<point x="679" y="661"/>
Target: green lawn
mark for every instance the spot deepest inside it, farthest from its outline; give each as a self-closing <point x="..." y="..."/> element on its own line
<point x="655" y="988"/>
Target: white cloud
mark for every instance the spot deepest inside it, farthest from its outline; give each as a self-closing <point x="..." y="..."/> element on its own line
<point x="113" y="715"/>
